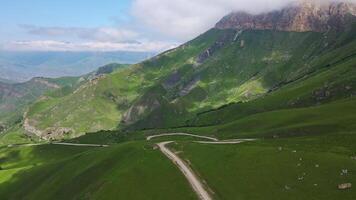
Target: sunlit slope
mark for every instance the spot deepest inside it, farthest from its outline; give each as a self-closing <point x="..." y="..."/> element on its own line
<point x="269" y="70"/>
<point x="290" y="169"/>
<point x="276" y="69"/>
<point x="15" y="97"/>
<point x="331" y="84"/>
<point x="101" y="103"/>
<point x="125" y="171"/>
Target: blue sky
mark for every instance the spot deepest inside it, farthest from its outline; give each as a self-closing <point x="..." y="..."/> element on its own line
<point x="14" y="14"/>
<point x="84" y="13"/>
<point x="108" y="25"/>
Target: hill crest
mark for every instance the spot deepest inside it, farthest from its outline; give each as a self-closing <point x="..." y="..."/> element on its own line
<point x="303" y="16"/>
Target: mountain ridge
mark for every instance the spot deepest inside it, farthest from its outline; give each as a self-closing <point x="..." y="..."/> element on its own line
<point x="303" y="16"/>
<point x="220" y="67"/>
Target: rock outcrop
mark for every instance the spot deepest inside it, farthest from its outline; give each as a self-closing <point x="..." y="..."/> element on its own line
<point x="303" y="16"/>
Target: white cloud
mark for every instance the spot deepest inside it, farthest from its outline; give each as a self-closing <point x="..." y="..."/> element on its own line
<point x="185" y="19"/>
<point x="52" y="45"/>
<point x="102" y="34"/>
<point x="86" y="39"/>
<point x="176" y="20"/>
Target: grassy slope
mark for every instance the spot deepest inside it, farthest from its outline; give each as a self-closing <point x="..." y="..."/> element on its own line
<point x="233" y="73"/>
<point x="256" y="170"/>
<point x="15" y="135"/>
<point x="21" y="95"/>
<point x="335" y="117"/>
<point x="125" y="171"/>
<point x="236" y="73"/>
<point x="259" y="170"/>
<point x="100" y="105"/>
<point x="294" y="69"/>
<point x="330" y="76"/>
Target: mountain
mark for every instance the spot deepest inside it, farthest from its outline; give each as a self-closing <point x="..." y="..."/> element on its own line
<point x="305" y="16"/>
<point x="290" y="93"/>
<point x="16" y="97"/>
<point x="2" y="80"/>
<point x="288" y="66"/>
<point x="22" y="66"/>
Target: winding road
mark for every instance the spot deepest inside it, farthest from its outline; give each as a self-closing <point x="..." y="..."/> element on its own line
<point x="79" y="145"/>
<point x="235" y="141"/>
<point x="58" y="143"/>
<point x="188" y="173"/>
<point x="181" y="134"/>
<point x="192" y="178"/>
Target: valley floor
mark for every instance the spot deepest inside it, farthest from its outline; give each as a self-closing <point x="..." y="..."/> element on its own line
<point x="134" y="168"/>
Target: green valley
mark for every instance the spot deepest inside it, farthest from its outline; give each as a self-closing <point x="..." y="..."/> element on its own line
<point x="261" y="106"/>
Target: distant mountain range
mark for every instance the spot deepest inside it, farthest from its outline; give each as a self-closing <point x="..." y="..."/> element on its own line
<point x="22" y="66"/>
<point x="15" y="97"/>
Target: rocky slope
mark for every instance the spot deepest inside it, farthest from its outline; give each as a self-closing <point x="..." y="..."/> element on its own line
<point x="300" y="17"/>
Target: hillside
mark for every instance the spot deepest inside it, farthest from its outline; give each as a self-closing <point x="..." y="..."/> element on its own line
<point x="109" y="173"/>
<point x="15" y="97"/>
<point x="258" y="107"/>
<point x="101" y="103"/>
<point x="227" y="64"/>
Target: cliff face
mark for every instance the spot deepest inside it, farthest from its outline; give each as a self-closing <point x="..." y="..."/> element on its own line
<point x="300" y="17"/>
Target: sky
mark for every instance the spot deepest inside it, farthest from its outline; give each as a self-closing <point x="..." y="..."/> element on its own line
<point x="110" y="25"/>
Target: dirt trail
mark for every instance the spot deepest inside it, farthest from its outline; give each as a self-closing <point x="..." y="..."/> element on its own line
<point x="181" y="134"/>
<point x="236" y="141"/>
<point x="183" y="167"/>
<point x="58" y="143"/>
<point x="80" y="145"/>
<point x="188" y="173"/>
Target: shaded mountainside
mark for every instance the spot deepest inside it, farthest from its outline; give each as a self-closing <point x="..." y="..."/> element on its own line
<point x="221" y="76"/>
<point x="272" y="70"/>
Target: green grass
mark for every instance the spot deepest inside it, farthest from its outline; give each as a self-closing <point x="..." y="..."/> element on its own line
<point x="101" y="104"/>
<point x="260" y="170"/>
<point x="301" y="93"/>
<point x="274" y="70"/>
<point x="126" y="171"/>
<point x="14" y="135"/>
<point x="335" y="117"/>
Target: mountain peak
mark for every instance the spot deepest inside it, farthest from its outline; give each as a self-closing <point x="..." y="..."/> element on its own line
<point x="302" y="16"/>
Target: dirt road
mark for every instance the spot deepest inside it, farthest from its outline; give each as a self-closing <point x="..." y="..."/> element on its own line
<point x="188" y="173"/>
<point x="58" y="143"/>
<point x="79" y="145"/>
<point x="183" y="167"/>
<point x="181" y="134"/>
<point x="237" y="141"/>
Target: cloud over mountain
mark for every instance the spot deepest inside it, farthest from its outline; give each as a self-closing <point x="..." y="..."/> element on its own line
<point x="184" y="19"/>
<point x="149" y="25"/>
